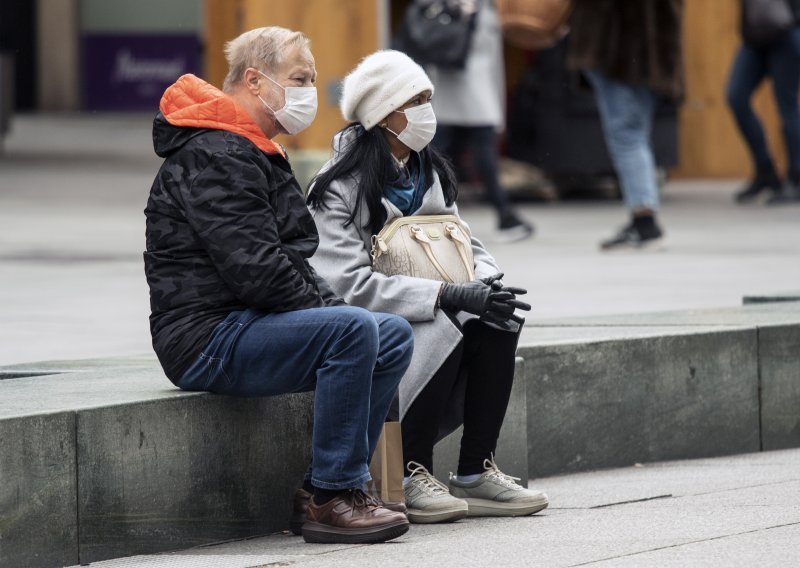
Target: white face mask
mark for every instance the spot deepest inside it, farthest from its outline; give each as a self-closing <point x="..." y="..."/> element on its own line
<point x="420" y="129"/>
<point x="298" y="111"/>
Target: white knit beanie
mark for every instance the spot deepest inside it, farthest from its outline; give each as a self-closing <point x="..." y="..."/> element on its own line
<point x="382" y="82"/>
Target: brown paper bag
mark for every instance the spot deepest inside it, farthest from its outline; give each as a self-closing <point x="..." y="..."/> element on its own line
<point x="386" y="467"/>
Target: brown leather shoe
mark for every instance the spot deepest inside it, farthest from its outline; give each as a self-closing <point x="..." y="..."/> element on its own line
<point x="352" y="518"/>
<point x="300" y="505"/>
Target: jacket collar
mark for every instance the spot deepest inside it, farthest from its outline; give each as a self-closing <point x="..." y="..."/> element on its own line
<point x="192" y="102"/>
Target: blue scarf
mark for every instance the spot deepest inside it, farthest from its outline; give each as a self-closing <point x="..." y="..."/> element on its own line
<point x="407" y="190"/>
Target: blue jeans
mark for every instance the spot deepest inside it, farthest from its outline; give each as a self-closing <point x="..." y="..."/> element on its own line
<point x="781" y="62"/>
<point x="626" y="113"/>
<point x="352" y="358"/>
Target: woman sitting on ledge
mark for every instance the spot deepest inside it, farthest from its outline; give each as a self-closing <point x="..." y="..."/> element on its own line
<point x="465" y="334"/>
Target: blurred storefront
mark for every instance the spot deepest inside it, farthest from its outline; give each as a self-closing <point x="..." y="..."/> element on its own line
<point x="118" y="55"/>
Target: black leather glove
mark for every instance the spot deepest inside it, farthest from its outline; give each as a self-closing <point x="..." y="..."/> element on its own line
<point x="490" y="280"/>
<point x="494" y="304"/>
<point x="504" y="303"/>
<point x="469" y="297"/>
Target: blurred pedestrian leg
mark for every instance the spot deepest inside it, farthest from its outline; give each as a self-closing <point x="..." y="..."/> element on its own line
<point x="470" y="110"/>
<point x="780" y="61"/>
<point x="626" y="113"/>
<point x="481" y="143"/>
<point x="631" y="55"/>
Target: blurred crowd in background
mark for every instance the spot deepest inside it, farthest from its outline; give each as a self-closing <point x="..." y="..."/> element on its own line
<point x="535" y="99"/>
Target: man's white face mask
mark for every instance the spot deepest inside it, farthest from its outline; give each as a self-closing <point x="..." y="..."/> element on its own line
<point x="298" y="111"/>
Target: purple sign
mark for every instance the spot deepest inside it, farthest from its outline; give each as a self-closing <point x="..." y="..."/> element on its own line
<point x="130" y="72"/>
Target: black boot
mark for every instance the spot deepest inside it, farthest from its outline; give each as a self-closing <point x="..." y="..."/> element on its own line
<point x="766" y="180"/>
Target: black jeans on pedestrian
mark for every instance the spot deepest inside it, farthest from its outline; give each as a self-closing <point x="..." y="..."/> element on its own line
<point x="481" y="141"/>
<point x="486" y="355"/>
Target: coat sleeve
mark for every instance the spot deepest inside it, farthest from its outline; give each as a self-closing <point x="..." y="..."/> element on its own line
<point x="228" y="208"/>
<point x="344" y="261"/>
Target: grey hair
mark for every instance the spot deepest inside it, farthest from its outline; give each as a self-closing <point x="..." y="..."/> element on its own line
<point x="261" y="48"/>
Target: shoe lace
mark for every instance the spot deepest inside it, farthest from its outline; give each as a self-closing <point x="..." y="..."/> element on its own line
<point x="361" y="500"/>
<point x="423" y="479"/>
<point x="493" y="472"/>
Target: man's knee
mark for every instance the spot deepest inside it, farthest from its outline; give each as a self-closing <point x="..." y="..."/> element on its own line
<point x="396" y="327"/>
<point x="396" y="337"/>
<point x="360" y="324"/>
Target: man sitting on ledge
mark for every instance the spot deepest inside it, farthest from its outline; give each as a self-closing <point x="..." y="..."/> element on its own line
<point x="236" y="308"/>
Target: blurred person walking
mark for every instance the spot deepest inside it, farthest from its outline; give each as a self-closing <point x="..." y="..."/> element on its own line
<point x="773" y="52"/>
<point x="630" y="52"/>
<point x="470" y="109"/>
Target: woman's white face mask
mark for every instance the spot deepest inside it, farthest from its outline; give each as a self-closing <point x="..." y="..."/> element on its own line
<point x="298" y="111"/>
<point x="420" y="129"/>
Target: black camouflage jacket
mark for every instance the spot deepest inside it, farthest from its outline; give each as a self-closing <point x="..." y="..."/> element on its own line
<point x="227" y="229"/>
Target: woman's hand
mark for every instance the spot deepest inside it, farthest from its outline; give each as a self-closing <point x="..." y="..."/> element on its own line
<point x="493" y="303"/>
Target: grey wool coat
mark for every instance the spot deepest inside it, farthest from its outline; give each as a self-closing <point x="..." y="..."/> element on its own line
<point x="343" y="259"/>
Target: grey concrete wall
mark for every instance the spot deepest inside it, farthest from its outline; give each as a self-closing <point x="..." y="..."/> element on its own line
<point x="170" y="474"/>
<point x="512" y="446"/>
<point x="38" y="513"/>
<point x="618" y="402"/>
<point x="779" y="373"/>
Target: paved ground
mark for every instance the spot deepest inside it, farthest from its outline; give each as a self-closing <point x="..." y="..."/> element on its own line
<point x="73" y="187"/>
<point x="740" y="511"/>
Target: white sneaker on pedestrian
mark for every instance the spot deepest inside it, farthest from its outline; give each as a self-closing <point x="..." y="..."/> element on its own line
<point x="428" y="499"/>
<point x="495" y="494"/>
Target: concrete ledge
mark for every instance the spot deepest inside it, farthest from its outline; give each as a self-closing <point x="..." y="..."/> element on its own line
<point x="162" y="475"/>
<point x="620" y="399"/>
<point x="779" y="372"/>
<point x="105" y="459"/>
<point x="793" y="296"/>
<point x="38" y="511"/>
<point x="114" y="462"/>
<point x="641" y="387"/>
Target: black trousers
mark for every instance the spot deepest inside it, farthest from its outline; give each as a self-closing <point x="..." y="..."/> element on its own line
<point x="481" y="141"/>
<point x="486" y="356"/>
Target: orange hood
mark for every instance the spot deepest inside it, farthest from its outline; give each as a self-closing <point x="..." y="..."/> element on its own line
<point x="193" y="103"/>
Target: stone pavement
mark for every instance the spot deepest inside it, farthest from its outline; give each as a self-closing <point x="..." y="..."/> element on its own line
<point x="739" y="511"/>
<point x="73" y="187"/>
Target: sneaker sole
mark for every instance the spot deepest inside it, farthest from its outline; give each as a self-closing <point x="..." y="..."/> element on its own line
<point x="652" y="245"/>
<point x="513" y="235"/>
<point x="327" y="534"/>
<point x="422" y="517"/>
<point x="489" y="508"/>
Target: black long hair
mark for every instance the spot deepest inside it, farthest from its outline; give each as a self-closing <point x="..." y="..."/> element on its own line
<point x="368" y="158"/>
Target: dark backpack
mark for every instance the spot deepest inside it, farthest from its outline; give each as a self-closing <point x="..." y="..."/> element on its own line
<point x="765" y="21"/>
<point x="436" y="32"/>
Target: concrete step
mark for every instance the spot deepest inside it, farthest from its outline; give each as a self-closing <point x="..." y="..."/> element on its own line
<point x="791" y="296"/>
<point x="103" y="459"/>
<point x="611" y="391"/>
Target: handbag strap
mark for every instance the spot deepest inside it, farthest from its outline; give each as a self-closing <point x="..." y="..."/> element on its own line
<point x="419" y="235"/>
<point x="455" y="234"/>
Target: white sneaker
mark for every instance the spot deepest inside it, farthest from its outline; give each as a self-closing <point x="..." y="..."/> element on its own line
<point x="428" y="499"/>
<point x="495" y="494"/>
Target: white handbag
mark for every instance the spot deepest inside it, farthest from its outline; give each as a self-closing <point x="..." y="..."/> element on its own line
<point x="436" y="247"/>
